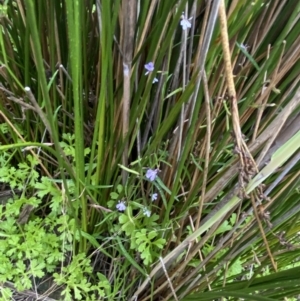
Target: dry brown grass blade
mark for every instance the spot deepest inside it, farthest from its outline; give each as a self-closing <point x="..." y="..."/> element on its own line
<point x="169" y="280"/>
<point x="229" y="75"/>
<point x="258" y="217"/>
<point x="27" y="294"/>
<point x="287" y="112"/>
<point x="38" y="110"/>
<point x="129" y="24"/>
<point x="211" y="10"/>
<point x="196" y="249"/>
<point x="147" y="26"/>
<point x="247" y="164"/>
<point x="288" y="183"/>
<point x="256" y="145"/>
<point x="262" y="103"/>
<point x="207" y="150"/>
<point x="208" y="114"/>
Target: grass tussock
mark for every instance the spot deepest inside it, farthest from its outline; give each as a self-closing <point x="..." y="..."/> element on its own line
<point x="149" y="150"/>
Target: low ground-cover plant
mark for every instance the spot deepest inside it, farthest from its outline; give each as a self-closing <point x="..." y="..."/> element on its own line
<point x="38" y="235"/>
<point x="149" y="149"/>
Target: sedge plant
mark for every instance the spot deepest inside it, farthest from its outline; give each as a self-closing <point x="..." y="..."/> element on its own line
<point x="149" y="149"/>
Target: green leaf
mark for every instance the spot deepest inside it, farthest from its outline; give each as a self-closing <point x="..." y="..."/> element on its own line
<point x="236" y="268"/>
<point x="119" y="188"/>
<point x="233" y="219"/>
<point x="159" y="243"/>
<point x="223" y="228"/>
<point x="77" y="293"/>
<point x="128" y="225"/>
<point x="152" y="234"/>
<point x="114" y="195"/>
<point x="146" y="256"/>
<point x="44" y="187"/>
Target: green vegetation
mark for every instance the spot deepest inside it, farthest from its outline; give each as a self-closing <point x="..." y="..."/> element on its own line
<point x="149" y="150"/>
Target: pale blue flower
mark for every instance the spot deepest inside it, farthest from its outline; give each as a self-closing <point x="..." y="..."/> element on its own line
<point x="185" y="23"/>
<point x="146" y="212"/>
<point x="149" y="67"/>
<point x="244" y="47"/>
<point x="151" y="174"/>
<point x="121" y="206"/>
<point x="154" y="197"/>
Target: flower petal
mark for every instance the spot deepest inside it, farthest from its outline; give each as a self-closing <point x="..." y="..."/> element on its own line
<point x="185" y="24"/>
<point x="151" y="174"/>
<point x="146" y="212"/>
<point x="149" y="66"/>
<point x="154" y="197"/>
<point x="121" y="206"/>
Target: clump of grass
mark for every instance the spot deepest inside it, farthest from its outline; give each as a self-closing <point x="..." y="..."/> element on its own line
<point x="150" y="149"/>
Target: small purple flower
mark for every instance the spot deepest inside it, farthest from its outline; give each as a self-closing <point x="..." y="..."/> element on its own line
<point x="146" y="212"/>
<point x="151" y="174"/>
<point x="154" y="197"/>
<point x="185" y="23"/>
<point x="149" y="67"/>
<point x="121" y="206"/>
